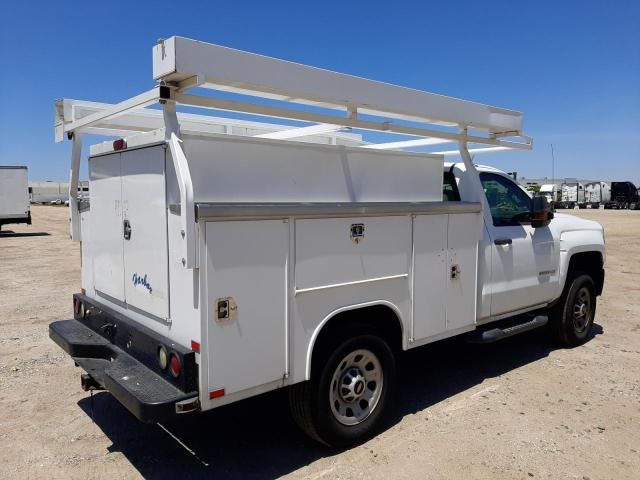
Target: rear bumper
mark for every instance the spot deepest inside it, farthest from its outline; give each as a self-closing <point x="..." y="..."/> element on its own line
<point x="147" y="394"/>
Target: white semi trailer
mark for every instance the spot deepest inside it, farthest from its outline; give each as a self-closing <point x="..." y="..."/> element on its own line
<point x="572" y="195"/>
<point x="14" y="195"/>
<point x="223" y="259"/>
<point x="597" y="193"/>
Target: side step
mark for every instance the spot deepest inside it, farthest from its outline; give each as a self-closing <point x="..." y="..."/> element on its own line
<point x="495" y="334"/>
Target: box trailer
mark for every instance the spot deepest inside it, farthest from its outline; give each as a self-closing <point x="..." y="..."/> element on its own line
<point x="572" y="195"/>
<point x="223" y="258"/>
<point x="14" y="195"/>
<point x="597" y="193"/>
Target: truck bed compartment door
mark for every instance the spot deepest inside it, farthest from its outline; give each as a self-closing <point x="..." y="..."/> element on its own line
<point x="245" y="329"/>
<point x="144" y="230"/>
<point x="106" y="224"/>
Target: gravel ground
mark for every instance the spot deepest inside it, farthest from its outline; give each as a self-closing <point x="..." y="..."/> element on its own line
<point x="516" y="409"/>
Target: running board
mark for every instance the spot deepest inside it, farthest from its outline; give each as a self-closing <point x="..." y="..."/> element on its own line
<point x="495" y="334"/>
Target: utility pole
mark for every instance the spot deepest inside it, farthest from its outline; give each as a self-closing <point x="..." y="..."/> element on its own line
<point x="553" y="166"/>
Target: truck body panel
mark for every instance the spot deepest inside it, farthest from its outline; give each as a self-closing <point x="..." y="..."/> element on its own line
<point x="14" y="195"/>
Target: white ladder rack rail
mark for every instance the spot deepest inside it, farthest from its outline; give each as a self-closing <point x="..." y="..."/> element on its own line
<point x="180" y="64"/>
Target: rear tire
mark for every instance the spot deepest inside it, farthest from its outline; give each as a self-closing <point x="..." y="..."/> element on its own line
<point x="571" y="319"/>
<point x="349" y="397"/>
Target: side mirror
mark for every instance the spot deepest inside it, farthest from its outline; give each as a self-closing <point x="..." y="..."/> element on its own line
<point x="542" y="211"/>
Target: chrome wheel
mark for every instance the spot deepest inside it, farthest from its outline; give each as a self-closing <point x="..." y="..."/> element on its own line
<point x="356" y="387"/>
<point x="582" y="310"/>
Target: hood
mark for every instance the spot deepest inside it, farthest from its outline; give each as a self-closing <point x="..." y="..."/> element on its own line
<point x="566" y="223"/>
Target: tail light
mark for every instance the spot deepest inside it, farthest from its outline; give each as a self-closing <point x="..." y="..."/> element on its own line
<point x="120" y="144"/>
<point x="163" y="358"/>
<point x="175" y="368"/>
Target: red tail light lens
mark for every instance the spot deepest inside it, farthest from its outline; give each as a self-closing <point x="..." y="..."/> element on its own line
<point x="120" y="144"/>
<point x="175" y="368"/>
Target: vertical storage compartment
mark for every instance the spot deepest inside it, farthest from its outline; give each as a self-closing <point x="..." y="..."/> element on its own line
<point x="246" y="278"/>
<point x="128" y="220"/>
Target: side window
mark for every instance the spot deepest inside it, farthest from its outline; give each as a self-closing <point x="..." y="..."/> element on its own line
<point x="509" y="204"/>
<point x="450" y="191"/>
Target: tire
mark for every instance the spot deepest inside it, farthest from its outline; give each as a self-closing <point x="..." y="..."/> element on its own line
<point x="350" y="395"/>
<point x="572" y="317"/>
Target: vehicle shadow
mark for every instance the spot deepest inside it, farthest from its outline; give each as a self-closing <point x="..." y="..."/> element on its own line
<point x="256" y="438"/>
<point x="12" y="234"/>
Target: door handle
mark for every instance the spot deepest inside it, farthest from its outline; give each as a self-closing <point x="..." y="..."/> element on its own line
<point x="126" y="229"/>
<point x="503" y="241"/>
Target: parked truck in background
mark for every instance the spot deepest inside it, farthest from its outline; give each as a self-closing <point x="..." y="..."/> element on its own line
<point x="551" y="192"/>
<point x="623" y="195"/>
<point x="597" y="193"/>
<point x="572" y="195"/>
<point x="223" y="259"/>
<point x="14" y="195"/>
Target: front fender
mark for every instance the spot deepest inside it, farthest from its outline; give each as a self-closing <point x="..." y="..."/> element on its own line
<point x="578" y="241"/>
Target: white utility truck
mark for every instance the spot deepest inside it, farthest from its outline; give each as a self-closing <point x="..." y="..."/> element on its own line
<point x="14" y="195"/>
<point x="223" y="258"/>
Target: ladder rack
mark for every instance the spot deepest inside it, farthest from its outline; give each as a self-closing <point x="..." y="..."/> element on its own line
<point x="325" y="102"/>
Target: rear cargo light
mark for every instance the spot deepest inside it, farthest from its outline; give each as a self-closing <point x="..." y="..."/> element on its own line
<point x="195" y="346"/>
<point x="83" y="291"/>
<point x="77" y="304"/>
<point x="216" y="394"/>
<point x="120" y="144"/>
<point x="163" y="358"/>
<point x="175" y="367"/>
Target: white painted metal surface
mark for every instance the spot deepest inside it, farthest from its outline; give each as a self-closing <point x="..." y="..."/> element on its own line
<point x="130" y="187"/>
<point x="145" y="252"/>
<point x="179" y="59"/>
<point x="246" y="261"/>
<point x="327" y="256"/>
<point x="14" y="192"/>
<point x="105" y="195"/>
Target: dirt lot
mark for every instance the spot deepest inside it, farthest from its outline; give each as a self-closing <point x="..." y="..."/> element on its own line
<point x="517" y="409"/>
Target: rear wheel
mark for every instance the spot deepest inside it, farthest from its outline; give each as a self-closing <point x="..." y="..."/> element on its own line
<point x="349" y="396"/>
<point x="572" y="317"/>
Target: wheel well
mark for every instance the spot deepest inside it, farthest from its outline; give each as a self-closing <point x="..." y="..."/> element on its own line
<point x="591" y="264"/>
<point x="382" y="317"/>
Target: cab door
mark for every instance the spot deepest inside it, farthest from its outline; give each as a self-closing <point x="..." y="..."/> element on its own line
<point x="524" y="260"/>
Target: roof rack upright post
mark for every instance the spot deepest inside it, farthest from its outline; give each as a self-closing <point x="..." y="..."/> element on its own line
<point x="74" y="174"/>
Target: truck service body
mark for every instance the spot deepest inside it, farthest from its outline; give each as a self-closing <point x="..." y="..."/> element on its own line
<point x="14" y="195"/>
<point x="225" y="258"/>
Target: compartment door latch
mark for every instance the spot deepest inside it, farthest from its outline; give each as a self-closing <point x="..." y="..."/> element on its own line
<point x="126" y="229"/>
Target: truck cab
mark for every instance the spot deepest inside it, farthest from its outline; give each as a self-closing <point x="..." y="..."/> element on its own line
<point x="523" y="268"/>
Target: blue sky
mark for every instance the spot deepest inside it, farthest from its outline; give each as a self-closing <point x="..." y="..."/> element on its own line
<point x="572" y="67"/>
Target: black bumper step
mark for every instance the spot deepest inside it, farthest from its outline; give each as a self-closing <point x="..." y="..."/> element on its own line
<point x="495" y="334"/>
<point x="144" y="393"/>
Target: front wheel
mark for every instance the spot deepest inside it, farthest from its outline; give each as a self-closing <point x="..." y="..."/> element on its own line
<point x="349" y="396"/>
<point x="572" y="317"/>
